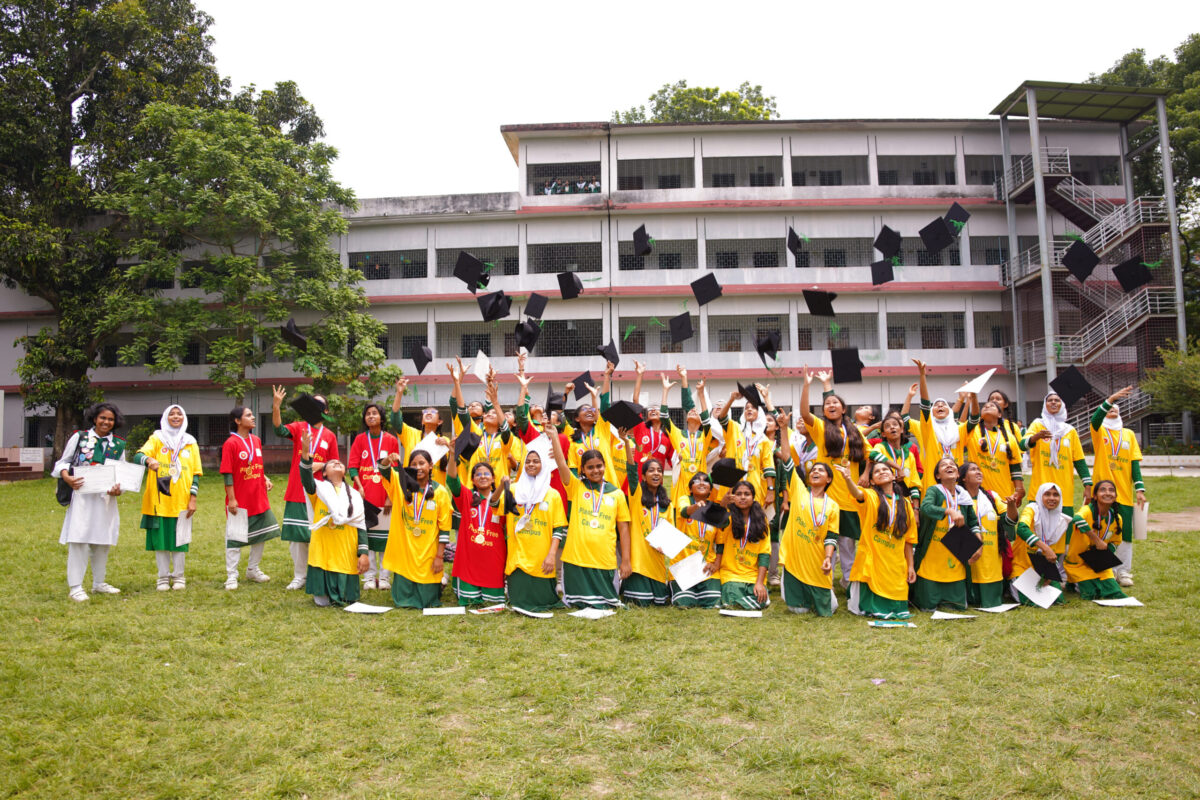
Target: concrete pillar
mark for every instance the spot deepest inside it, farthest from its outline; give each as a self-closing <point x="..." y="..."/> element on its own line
<point x="1010" y="214"/>
<point x="872" y="162"/>
<point x="1168" y="171"/>
<point x="960" y="162"/>
<point x="1126" y="164"/>
<point x="787" y="161"/>
<point x="1049" y="317"/>
<point x="698" y="161"/>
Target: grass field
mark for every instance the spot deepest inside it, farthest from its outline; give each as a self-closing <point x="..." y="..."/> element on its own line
<point x="257" y="693"/>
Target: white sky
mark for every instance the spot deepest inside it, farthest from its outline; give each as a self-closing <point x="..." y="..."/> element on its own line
<point x="413" y="93"/>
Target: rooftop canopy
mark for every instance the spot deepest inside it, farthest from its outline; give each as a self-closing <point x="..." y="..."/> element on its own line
<point x="1089" y="102"/>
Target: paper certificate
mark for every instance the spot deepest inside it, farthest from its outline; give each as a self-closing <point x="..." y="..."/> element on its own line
<point x="429" y="445"/>
<point x="1027" y="585"/>
<point x="128" y="475"/>
<point x="667" y="539"/>
<point x="690" y="571"/>
<point x="237" y="526"/>
<point x="97" y="478"/>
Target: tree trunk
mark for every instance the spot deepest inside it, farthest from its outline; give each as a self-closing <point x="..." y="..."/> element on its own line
<point x="67" y="420"/>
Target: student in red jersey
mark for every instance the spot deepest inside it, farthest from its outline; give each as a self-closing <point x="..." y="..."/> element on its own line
<point x="246" y="487"/>
<point x="651" y="438"/>
<point x="295" y="508"/>
<point x="481" y="552"/>
<point x="366" y="454"/>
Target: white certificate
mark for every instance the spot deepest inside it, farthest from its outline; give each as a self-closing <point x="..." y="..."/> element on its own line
<point x="945" y="615"/>
<point x="183" y="529"/>
<point x="1000" y="609"/>
<point x="447" y="611"/>
<point x="1027" y="585"/>
<point x="976" y="386"/>
<point x="738" y="612"/>
<point x="690" y="571"/>
<point x="365" y="608"/>
<point x="667" y="539"/>
<point x="128" y="474"/>
<point x="237" y="526"/>
<point x="429" y="445"/>
<point x="1120" y="602"/>
<point x="481" y="367"/>
<point x="592" y="613"/>
<point x="534" y="614"/>
<point x="97" y="478"/>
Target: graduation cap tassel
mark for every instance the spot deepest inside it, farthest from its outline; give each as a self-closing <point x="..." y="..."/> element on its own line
<point x="656" y="321"/>
<point x="591" y="280"/>
<point x="958" y="226"/>
<point x="896" y="261"/>
<point x="1075" y="237"/>
<point x="628" y="331"/>
<point x="834" y="328"/>
<point x="1154" y="265"/>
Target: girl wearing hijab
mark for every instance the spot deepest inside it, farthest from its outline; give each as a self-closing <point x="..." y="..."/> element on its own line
<point x="939" y="435"/>
<point x="1042" y="526"/>
<point x="997" y="522"/>
<point x="337" y="550"/>
<point x="647" y="505"/>
<point x="246" y="487"/>
<point x="1054" y="448"/>
<point x="883" y="563"/>
<point x="367" y="452"/>
<point x="808" y="543"/>
<point x="941" y="577"/>
<point x="1095" y="526"/>
<point x="746" y="551"/>
<point x="480" y="553"/>
<point x="93" y="522"/>
<point x="692" y="444"/>
<point x="172" y="459"/>
<point x="689" y="520"/>
<point x="1119" y="459"/>
<point x="536" y="522"/>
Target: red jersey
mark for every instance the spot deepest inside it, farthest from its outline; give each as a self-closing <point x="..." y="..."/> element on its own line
<point x="365" y="455"/>
<point x="480" y="552"/>
<point x="324" y="448"/>
<point x="243" y="459"/>
<point x="650" y="443"/>
<point x="528" y="435"/>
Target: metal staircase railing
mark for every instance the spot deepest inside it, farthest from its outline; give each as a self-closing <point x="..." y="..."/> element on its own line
<point x="1029" y="261"/>
<point x="1110" y="230"/>
<point x="1055" y="161"/>
<point x="1134" y="406"/>
<point x="1084" y="196"/>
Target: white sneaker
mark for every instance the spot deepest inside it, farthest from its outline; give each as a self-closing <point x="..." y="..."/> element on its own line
<point x="257" y="575"/>
<point x="774" y="580"/>
<point x="179" y="585"/>
<point x="322" y="600"/>
<point x="385" y="585"/>
<point x="1126" y="579"/>
<point x="231" y="583"/>
<point x="78" y="595"/>
<point x="163" y="585"/>
<point x="105" y="588"/>
<point x="370" y="585"/>
<point x="296" y="583"/>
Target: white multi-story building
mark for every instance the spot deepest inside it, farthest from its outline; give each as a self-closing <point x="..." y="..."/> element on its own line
<point x="716" y="198"/>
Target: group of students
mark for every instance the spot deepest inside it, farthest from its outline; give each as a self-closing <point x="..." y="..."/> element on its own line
<point x="578" y="186"/>
<point x="919" y="510"/>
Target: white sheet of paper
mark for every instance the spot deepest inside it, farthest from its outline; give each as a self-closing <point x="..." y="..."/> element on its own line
<point x="1120" y="602"/>
<point x="429" y="445"/>
<point x="592" y="613"/>
<point x="237" y="526"/>
<point x="1000" y="609"/>
<point x="97" y="478"/>
<point x="534" y="614"/>
<point x="447" y="611"/>
<point x="129" y="475"/>
<point x="976" y="385"/>
<point x="1141" y="521"/>
<point x="944" y="615"/>
<point x="667" y="539"/>
<point x="183" y="529"/>
<point x="740" y="612"/>
<point x="1027" y="584"/>
<point x="366" y="608"/>
<point x="690" y="571"/>
<point x="890" y="623"/>
<point x="481" y="367"/>
<point x="489" y="609"/>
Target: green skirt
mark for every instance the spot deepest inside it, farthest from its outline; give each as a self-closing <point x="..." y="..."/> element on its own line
<point x="799" y="596"/>
<point x="409" y="594"/>
<point x="160" y="533"/>
<point x="471" y="595"/>
<point x="927" y="595"/>
<point x="532" y="594"/>
<point x="737" y="594"/>
<point x="295" y="523"/>
<point x="643" y="591"/>
<point x="864" y="602"/>
<point x="377" y="541"/>
<point x="848" y="525"/>
<point x="584" y="587"/>
<point x="262" y="527"/>
<point x="1100" y="589"/>
<point x="985" y="595"/>
<point x="705" y="594"/>
<point x="341" y="589"/>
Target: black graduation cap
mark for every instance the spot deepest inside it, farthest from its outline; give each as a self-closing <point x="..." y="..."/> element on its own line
<point x="309" y="408"/>
<point x="961" y="543"/>
<point x="681" y="328"/>
<point x="624" y="414"/>
<point x="714" y="514"/>
<point x="370" y="513"/>
<point x="1045" y="568"/>
<point x="1132" y="274"/>
<point x="291" y="334"/>
<point x="706" y="289"/>
<point x="725" y="472"/>
<point x="1071" y="386"/>
<point x="471" y="271"/>
<point x="535" y="306"/>
<point x="847" y="368"/>
<point x="888" y="242"/>
<point x="882" y="272"/>
<point x="581" y="383"/>
<point x="569" y="285"/>
<point x="937" y="235"/>
<point x="641" y="242"/>
<point x="408" y="481"/>
<point x="794" y="242"/>
<point x="820" y="304"/>
<point x="554" y="400"/>
<point x="527" y="334"/>
<point x="768" y="346"/>
<point x="421" y="357"/>
<point x="494" y="306"/>
<point x="466" y="444"/>
<point x="609" y="351"/>
<point x="1100" y="560"/>
<point x="956" y="214"/>
<point x="750" y="392"/>
<point x="1080" y="260"/>
<point x="164" y="485"/>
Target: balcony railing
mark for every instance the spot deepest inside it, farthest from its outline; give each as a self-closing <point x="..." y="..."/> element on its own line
<point x="1028" y="262"/>
<point x="1054" y="161"/>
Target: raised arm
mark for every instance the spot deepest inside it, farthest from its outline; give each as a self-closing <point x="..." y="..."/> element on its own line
<point x="277" y="395"/>
<point x="921" y="382"/>
<point x="805" y="414"/>
<point x="1102" y="410"/>
<point x="564" y="472"/>
<point x="639" y="372"/>
<point x="667" y="383"/>
<point x="907" y="407"/>
<point x="855" y="490"/>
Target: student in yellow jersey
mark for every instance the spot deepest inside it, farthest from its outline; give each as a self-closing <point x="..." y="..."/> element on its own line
<point x="883" y="563"/>
<point x="941" y="577"/>
<point x="940" y="435"/>
<point x="172" y="459"/>
<point x="1041" y="527"/>
<point x="692" y="444"/>
<point x="419" y="532"/>
<point x="747" y="444"/>
<point x="648" y="504"/>
<point x="407" y="435"/>
<point x="991" y="445"/>
<point x="1095" y="527"/>
<point x="1011" y="424"/>
<point x="597" y="521"/>
<point x="689" y="519"/>
<point x="591" y="433"/>
<point x="746" y="550"/>
<point x="536" y="518"/>
<point x="1054" y="448"/>
<point x="997" y="523"/>
<point x="337" y="548"/>
<point x="896" y="451"/>
<point x="808" y="542"/>
<point x="1119" y="459"/>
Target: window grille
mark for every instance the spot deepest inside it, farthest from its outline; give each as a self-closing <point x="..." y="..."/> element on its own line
<point x="742" y="171"/>
<point x="745" y="253"/>
<point x="991" y="328"/>
<point x="668" y="254"/>
<point x="913" y="253"/>
<point x="830" y="171"/>
<point x="577" y="177"/>
<point x="835" y="253"/>
<point x="505" y="260"/>
<point x="385" y="265"/>
<point x="649" y="336"/>
<point x="564" y="257"/>
<point x="916" y="170"/>
<point x="737" y="333"/>
<point x="982" y="170"/>
<point x="402" y="339"/>
<point x="846" y="330"/>
<point x="928" y="331"/>
<point x="656" y="173"/>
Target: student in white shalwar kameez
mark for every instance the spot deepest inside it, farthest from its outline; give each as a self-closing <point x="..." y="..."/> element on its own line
<point x="93" y="522"/>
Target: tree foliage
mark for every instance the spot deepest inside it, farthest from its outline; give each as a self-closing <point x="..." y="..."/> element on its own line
<point x="679" y="102"/>
<point x="1175" y="386"/>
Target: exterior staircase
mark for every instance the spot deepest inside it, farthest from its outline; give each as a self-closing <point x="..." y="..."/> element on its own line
<point x="15" y="471"/>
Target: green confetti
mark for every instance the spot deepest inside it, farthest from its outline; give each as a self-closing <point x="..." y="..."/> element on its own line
<point x="1075" y="237"/>
<point x="834" y="328"/>
<point x="802" y="236"/>
<point x="896" y="261"/>
<point x="1154" y="265"/>
<point x="482" y="285"/>
<point x="628" y="331"/>
<point x="684" y="305"/>
<point x="591" y="280"/>
<point x="490" y="266"/>
<point x="656" y="321"/>
<point x="651" y="240"/>
<point x="1057" y="350"/>
<point x="958" y="225"/>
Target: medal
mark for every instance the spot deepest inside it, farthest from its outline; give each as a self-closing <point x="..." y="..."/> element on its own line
<point x="315" y="439"/>
<point x="818" y="519"/>
<point x="479" y="539"/>
<point x="1114" y="443"/>
<point x="174" y="471"/>
<point x="376" y="479"/>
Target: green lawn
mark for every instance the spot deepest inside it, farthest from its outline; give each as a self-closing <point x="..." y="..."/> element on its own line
<point x="257" y="693"/>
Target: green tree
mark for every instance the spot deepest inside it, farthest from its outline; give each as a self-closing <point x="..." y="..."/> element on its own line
<point x="74" y="79"/>
<point x="1175" y="386"/>
<point x="679" y="102"/>
<point x="244" y="214"/>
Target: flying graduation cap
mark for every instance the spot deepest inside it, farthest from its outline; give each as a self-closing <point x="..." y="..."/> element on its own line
<point x="820" y="304"/>
<point x="466" y="444"/>
<point x="494" y="306"/>
<point x="794" y="242"/>
<point x="882" y="272"/>
<point x="1132" y="274"/>
<point x="1071" y="386"/>
<point x="624" y="414"/>
<point x="956" y="217"/>
<point x="569" y="285"/>
<point x="527" y="333"/>
<point x="1080" y="260"/>
<point x="421" y="357"/>
<point x="554" y="400"/>
<point x="582" y="381"/>
<point x="535" y="306"/>
<point x="681" y="328"/>
<point x="706" y="289"/>
<point x="888" y="242"/>
<point x="309" y="408"/>
<point x="643" y="245"/>
<point x="725" y="472"/>
<point x="291" y="334"/>
<point x="847" y="368"/>
<point x="937" y="235"/>
<point x="768" y="346"/>
<point x="609" y="351"/>
<point x="750" y="392"/>
<point x="471" y="271"/>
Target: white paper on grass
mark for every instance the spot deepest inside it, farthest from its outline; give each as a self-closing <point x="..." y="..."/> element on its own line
<point x="592" y="613"/>
<point x="448" y="611"/>
<point x="738" y="612"/>
<point x="183" y="529"/>
<point x="890" y="623"/>
<point x="1027" y="584"/>
<point x="97" y="478"/>
<point x="944" y="615"/>
<point x="128" y="474"/>
<point x="481" y="367"/>
<point x="237" y="526"/>
<point x="429" y="445"/>
<point x="366" y="608"/>
<point x="667" y="539"/>
<point x="489" y="609"/>
<point x="534" y="614"/>
<point x="1120" y="602"/>
<point x="1141" y="521"/>
<point x="690" y="571"/>
<point x="1000" y="609"/>
<point x="976" y="386"/>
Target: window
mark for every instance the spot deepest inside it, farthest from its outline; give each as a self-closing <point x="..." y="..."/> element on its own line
<point x="503" y="258"/>
<point x="982" y="170"/>
<point x="830" y="171"/>
<point x="799" y="178"/>
<point x="631" y="261"/>
<point x="670" y="182"/>
<point x="766" y="260"/>
<point x="916" y="170"/>
<point x="473" y="343"/>
<point x="382" y="265"/>
<point x="667" y="254"/>
<point x="628" y="183"/>
<point x="803" y="259"/>
<point x="635" y="344"/>
<point x="830" y="177"/>
<point x="889" y="177"/>
<point x="561" y="257"/>
<point x="804" y="339"/>
<point x="741" y="171"/>
<point x="510" y="345"/>
<point x="663" y="173"/>
<point x="928" y="259"/>
<point x="924" y="178"/>
<point x="991" y="328"/>
<point x="835" y="258"/>
<point x="736" y="333"/>
<point x="724" y="179"/>
<point x="193" y="353"/>
<point x="725" y="260"/>
<point x="743" y="253"/>
<point x="761" y="178"/>
<point x="933" y="338"/>
<point x="578" y="177"/>
<point x="670" y="260"/>
<point x="410" y="344"/>
<point x="896" y="340"/>
<point x="729" y="340"/>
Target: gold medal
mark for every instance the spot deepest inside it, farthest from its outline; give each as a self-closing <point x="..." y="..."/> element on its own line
<point x="175" y="471"/>
<point x="376" y="479"/>
<point x="479" y="539"/>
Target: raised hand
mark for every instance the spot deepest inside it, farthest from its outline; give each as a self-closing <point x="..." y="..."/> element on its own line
<point x="920" y="365"/>
<point x="277" y="395"/>
<point x="639" y="367"/>
<point x="667" y="382"/>
<point x="608" y="368"/>
<point x="401" y="386"/>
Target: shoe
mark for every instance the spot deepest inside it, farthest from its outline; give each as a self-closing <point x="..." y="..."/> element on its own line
<point x="257" y="575"/>
<point x="296" y="583"/>
<point x="370" y="585"/>
<point x="774" y="580"/>
<point x="1126" y="579"/>
<point x="78" y="595"/>
<point x="179" y="585"/>
<point x="231" y="583"/>
<point x="105" y="588"/>
<point x="163" y="585"/>
<point x="385" y="585"/>
<point x="322" y="601"/>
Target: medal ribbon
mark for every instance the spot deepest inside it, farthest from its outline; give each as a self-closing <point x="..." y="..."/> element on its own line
<point x="247" y="446"/>
<point x="312" y="448"/>
<point x="818" y="521"/>
<point x="484" y="516"/>
<point x="1113" y="442"/>
<point x="745" y="533"/>
<point x="374" y="452"/>
<point x="992" y="449"/>
<point x="951" y="500"/>
<point x="420" y="507"/>
<point x="489" y="444"/>
<point x="891" y="504"/>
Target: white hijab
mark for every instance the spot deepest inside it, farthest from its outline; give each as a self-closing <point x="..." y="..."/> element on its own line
<point x="754" y="433"/>
<point x="1114" y="424"/>
<point x="338" y="503"/>
<point x="1057" y="425"/>
<point x="946" y="429"/>
<point x="1049" y="523"/>
<point x="961" y="496"/>
<point x="174" y="438"/>
<point x="530" y="490"/>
